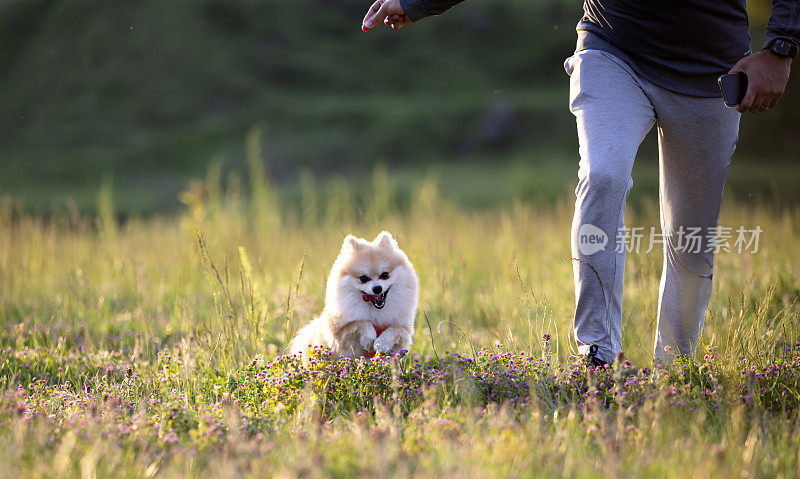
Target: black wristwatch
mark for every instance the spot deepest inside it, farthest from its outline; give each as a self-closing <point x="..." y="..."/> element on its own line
<point x="783" y="48"/>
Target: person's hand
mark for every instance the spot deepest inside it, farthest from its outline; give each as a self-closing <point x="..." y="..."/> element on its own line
<point x="767" y="75"/>
<point x="389" y="12"/>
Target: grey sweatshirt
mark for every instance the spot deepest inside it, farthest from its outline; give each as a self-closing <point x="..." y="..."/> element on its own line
<point x="680" y="45"/>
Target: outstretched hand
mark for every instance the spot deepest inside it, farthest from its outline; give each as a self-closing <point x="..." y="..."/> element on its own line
<point x="389" y="12"/>
<point x="767" y="75"/>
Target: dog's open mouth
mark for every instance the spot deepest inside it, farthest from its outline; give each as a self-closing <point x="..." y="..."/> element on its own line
<point x="377" y="300"/>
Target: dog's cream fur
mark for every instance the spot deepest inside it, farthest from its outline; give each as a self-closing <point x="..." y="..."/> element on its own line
<point x="347" y="324"/>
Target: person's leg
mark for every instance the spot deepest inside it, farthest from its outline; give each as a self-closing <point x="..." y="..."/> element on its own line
<point x="697" y="137"/>
<point x="613" y="115"/>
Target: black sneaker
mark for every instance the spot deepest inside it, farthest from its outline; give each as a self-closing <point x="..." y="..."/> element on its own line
<point x="592" y="360"/>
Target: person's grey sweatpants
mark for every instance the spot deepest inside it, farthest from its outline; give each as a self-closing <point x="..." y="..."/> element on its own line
<point x="614" y="109"/>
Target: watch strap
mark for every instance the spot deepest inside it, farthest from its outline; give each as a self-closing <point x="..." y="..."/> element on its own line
<point x="783" y="48"/>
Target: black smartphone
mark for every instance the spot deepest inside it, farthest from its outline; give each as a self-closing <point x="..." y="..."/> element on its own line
<point x="733" y="86"/>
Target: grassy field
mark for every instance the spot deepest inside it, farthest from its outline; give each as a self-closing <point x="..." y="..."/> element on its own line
<point x="154" y="346"/>
<point x="146" y="299"/>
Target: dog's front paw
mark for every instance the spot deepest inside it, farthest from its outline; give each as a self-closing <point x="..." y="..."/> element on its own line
<point x="367" y="340"/>
<point x="382" y="346"/>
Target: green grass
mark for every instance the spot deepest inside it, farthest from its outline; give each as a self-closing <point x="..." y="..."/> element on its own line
<point x="153" y="341"/>
<point x="479" y="180"/>
<point x="146" y="300"/>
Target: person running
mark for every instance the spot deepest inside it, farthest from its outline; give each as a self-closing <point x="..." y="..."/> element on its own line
<point x="639" y="64"/>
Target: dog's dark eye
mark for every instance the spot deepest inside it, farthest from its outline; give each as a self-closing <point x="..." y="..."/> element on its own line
<point x="384" y="275"/>
<point x="364" y="278"/>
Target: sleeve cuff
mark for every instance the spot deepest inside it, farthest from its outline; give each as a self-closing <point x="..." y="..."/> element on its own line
<point x="414" y="9"/>
<point x="775" y="34"/>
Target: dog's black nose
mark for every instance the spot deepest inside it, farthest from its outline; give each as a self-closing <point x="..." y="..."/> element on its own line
<point x="377" y="289"/>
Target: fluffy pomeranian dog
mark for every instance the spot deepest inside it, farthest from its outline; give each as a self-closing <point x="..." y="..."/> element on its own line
<point x="370" y="302"/>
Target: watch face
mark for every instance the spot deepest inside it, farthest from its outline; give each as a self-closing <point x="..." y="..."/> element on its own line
<point x="781" y="48"/>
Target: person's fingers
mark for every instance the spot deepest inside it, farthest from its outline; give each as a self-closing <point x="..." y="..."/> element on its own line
<point x="405" y="21"/>
<point x="738" y="67"/>
<point x="769" y="101"/>
<point x="380" y="16"/>
<point x="392" y="19"/>
<point x="749" y="98"/>
<point x="755" y="106"/>
<point x="759" y="104"/>
<point x="387" y="11"/>
<point x="371" y="19"/>
<point x="373" y="9"/>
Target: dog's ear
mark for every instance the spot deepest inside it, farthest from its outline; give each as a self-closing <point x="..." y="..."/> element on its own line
<point x="385" y="240"/>
<point x="351" y="243"/>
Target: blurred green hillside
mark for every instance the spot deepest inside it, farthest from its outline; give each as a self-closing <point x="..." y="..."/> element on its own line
<point x="153" y="91"/>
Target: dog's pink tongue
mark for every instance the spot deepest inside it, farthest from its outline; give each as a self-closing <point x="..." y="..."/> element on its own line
<point x="370" y="297"/>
